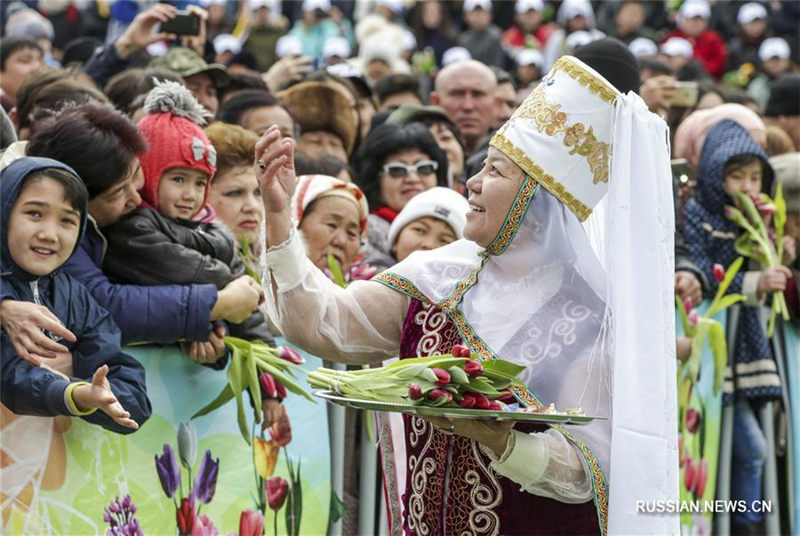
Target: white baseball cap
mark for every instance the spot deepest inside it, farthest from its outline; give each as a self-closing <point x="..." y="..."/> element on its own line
<point x="336" y="46"/>
<point x="455" y="54"/>
<point x="577" y="39"/>
<point x="527" y="5"/>
<point x="311" y="5"/>
<point x="395" y="6"/>
<point x="409" y="40"/>
<point x="642" y="46"/>
<point x="471" y="5"/>
<point x="441" y="203"/>
<point x="272" y="5"/>
<point x="530" y="56"/>
<point x="774" y="47"/>
<point x="227" y="43"/>
<point x="750" y="12"/>
<point x="695" y="8"/>
<point x="677" y="46"/>
<point x="288" y="44"/>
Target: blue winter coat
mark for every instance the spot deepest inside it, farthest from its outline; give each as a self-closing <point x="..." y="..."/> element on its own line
<point x="31" y="390"/>
<point x="159" y="314"/>
<point x="710" y="237"/>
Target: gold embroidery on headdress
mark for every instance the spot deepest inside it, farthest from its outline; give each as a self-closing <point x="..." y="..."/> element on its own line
<point x="551" y="120"/>
<point x="586" y="79"/>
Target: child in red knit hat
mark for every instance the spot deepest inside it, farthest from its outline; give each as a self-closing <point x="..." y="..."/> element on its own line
<point x="162" y="241"/>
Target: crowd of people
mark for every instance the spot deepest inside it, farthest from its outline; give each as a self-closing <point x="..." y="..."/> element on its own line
<point x="133" y="212"/>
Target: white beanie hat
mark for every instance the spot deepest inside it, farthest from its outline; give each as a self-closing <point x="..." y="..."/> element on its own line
<point x="438" y="202"/>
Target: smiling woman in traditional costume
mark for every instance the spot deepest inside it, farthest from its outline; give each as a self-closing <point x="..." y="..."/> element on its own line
<point x="532" y="284"/>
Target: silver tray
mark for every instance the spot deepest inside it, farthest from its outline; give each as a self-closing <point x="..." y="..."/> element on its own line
<point x="458" y="413"/>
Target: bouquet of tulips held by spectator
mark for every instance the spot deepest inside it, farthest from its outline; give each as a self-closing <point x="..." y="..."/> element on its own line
<point x="761" y="242"/>
<point x="457" y="379"/>
<point x="249" y="361"/>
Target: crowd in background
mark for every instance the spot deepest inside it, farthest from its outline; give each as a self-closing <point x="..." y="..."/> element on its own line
<point x="391" y="104"/>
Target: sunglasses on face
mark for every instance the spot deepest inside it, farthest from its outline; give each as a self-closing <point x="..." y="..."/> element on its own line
<point x="398" y="170"/>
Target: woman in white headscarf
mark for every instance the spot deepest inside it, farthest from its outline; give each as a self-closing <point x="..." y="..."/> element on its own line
<point x="526" y="284"/>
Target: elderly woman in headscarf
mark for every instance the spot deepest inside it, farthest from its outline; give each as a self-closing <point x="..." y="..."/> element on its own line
<point x="528" y="285"/>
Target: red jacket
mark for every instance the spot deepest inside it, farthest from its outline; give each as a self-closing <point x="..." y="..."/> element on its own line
<point x="709" y="49"/>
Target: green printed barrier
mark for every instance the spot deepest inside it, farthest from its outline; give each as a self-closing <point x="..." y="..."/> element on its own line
<point x="60" y="475"/>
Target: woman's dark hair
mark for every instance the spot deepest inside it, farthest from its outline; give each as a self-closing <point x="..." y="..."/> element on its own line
<point x="326" y="164"/>
<point x="126" y="90"/>
<point x="386" y="140"/>
<point x="242" y="102"/>
<point x="447" y="28"/>
<point x="94" y="139"/>
<point x="74" y="190"/>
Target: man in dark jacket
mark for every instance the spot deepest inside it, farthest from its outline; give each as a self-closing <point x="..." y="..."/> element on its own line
<point x="41" y="227"/>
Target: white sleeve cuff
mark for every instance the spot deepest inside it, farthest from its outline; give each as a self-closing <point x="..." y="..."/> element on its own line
<point x="524" y="460"/>
<point x="285" y="262"/>
<point x="750" y="289"/>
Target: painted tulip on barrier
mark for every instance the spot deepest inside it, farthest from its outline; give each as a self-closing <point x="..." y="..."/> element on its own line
<point x="457" y="379"/>
<point x="249" y="361"/>
<point x="762" y="242"/>
<point x="694" y="443"/>
<point x="200" y="491"/>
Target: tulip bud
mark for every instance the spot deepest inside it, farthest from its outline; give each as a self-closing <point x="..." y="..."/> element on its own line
<point x="468" y="401"/>
<point x="291" y="355"/>
<point x="687" y="305"/>
<point x="481" y="401"/>
<point x="719" y="273"/>
<point x="507" y="395"/>
<point x="268" y="385"/>
<point x="694" y="318"/>
<point x="276" y="488"/>
<point x="473" y="368"/>
<point x="702" y="477"/>
<point x="414" y="391"/>
<point x="436" y="394"/>
<point x="495" y="405"/>
<point x="187" y="444"/>
<point x="692" y="420"/>
<point x="442" y="376"/>
<point x="690" y="475"/>
<point x="460" y="350"/>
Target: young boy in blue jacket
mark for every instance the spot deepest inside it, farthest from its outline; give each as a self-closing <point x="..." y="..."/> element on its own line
<point x="43" y="216"/>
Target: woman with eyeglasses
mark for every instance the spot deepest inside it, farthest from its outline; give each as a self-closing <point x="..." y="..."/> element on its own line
<point x="394" y="164"/>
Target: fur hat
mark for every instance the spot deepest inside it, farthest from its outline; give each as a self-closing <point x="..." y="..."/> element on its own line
<point x="322" y="106"/>
<point x="174" y="136"/>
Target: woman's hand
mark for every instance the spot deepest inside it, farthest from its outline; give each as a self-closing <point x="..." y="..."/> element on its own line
<point x="273" y="411"/>
<point x="25" y="324"/>
<point x="274" y="167"/>
<point x="493" y="434"/>
<point x="98" y="395"/>
<point x="139" y="33"/>
<point x="237" y="301"/>
<point x="287" y="70"/>
<point x="789" y="250"/>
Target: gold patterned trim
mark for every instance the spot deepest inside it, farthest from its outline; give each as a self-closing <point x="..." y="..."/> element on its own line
<point x="462" y="287"/>
<point x="516" y="154"/>
<point x="552" y="120"/>
<point x="586" y="79"/>
<point x="514" y="217"/>
<point x="401" y="285"/>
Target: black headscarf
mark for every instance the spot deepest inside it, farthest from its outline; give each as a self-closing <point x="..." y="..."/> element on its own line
<point x="612" y="59"/>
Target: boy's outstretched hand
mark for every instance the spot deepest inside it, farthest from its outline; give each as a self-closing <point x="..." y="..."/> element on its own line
<point x="98" y="395"/>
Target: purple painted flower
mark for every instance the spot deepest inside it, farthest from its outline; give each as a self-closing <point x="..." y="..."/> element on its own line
<point x="169" y="473"/>
<point x="119" y="516"/>
<point x="206" y="481"/>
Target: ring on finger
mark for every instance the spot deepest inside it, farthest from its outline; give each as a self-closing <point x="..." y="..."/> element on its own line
<point x="261" y="165"/>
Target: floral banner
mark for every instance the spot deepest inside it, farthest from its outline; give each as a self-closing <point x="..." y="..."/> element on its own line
<point x="65" y="476"/>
